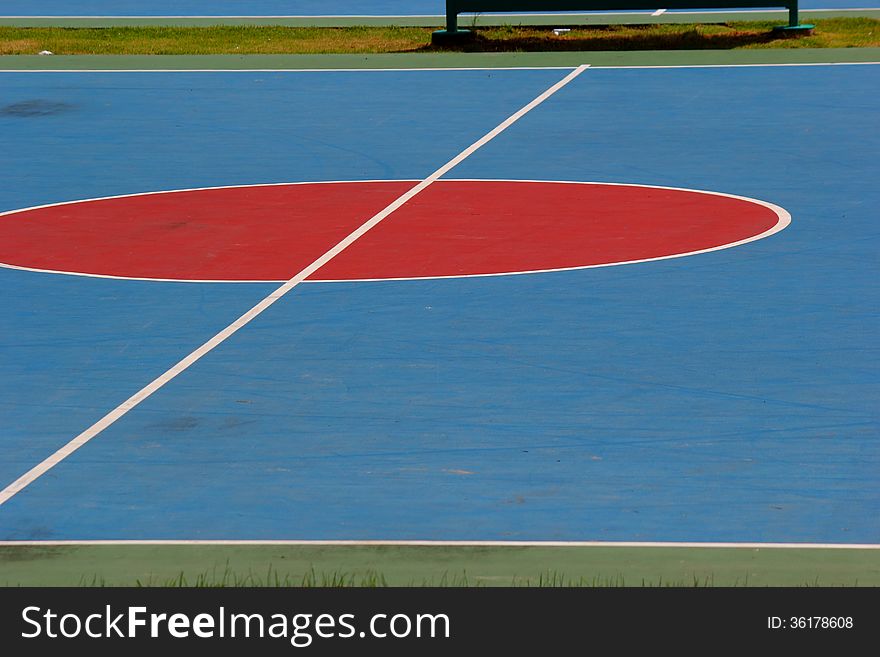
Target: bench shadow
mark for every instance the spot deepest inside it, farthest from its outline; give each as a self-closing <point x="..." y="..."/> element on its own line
<point x="603" y="38"/>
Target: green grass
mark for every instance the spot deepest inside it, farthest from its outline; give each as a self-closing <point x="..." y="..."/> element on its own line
<point x="459" y="566"/>
<point x="251" y="40"/>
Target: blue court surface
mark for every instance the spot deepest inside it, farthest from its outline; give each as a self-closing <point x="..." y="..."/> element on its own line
<point x="728" y="396"/>
<point x="111" y="8"/>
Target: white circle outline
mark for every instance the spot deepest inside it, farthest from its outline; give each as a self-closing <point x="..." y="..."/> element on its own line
<point x="784" y="220"/>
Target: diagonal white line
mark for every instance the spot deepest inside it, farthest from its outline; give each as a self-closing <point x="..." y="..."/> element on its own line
<point x="39" y="470"/>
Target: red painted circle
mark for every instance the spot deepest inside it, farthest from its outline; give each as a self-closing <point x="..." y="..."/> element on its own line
<point x="452" y="228"/>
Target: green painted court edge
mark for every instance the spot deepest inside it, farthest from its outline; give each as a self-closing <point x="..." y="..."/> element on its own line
<point x="440" y="60"/>
<point x="624" y="18"/>
<point x="394" y="565"/>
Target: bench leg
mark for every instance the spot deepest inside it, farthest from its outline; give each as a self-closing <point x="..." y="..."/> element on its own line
<point x="451" y="20"/>
<point x="451" y="34"/>
<point x="794" y="28"/>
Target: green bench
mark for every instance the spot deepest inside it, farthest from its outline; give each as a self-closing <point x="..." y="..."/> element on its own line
<point x="456" y="7"/>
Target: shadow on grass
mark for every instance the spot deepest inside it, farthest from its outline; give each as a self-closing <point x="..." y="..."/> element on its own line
<point x="608" y="38"/>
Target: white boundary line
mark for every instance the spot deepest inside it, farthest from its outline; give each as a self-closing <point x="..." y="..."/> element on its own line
<point x="769" y="10"/>
<point x="289" y="70"/>
<point x="739" y="65"/>
<point x="39" y="470"/>
<point x="283" y="70"/>
<point x="784" y="219"/>
<point x="403" y="543"/>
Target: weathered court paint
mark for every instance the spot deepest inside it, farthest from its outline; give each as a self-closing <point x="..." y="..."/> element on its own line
<point x="75" y="344"/>
<point x="729" y="396"/>
<point x="269" y="300"/>
<point x="455" y="228"/>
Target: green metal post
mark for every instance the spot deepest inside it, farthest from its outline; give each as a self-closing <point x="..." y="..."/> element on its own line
<point x="451" y="35"/>
<point x="451" y="18"/>
<point x="794" y="27"/>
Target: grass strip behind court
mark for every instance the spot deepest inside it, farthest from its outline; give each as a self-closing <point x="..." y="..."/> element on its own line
<point x="252" y="40"/>
<point x="315" y="565"/>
